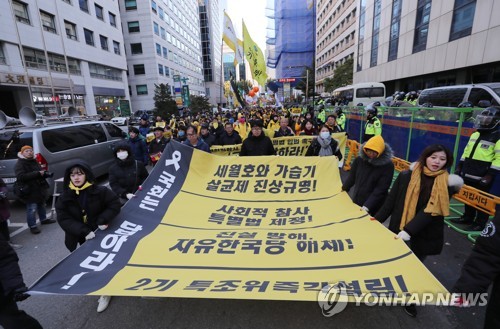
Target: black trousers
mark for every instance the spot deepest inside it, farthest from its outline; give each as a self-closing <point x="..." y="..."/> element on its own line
<point x="4" y="230"/>
<point x="13" y="318"/>
<point x="479" y="217"/>
<point x="492" y="317"/>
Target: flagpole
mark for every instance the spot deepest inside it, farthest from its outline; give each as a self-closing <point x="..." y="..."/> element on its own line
<point x="222" y="71"/>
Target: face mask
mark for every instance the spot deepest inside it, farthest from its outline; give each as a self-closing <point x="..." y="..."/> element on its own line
<point x="122" y="155"/>
<point x="180" y="133"/>
<point x="324" y="134"/>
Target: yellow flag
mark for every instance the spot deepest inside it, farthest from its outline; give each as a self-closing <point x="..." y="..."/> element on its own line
<point x="229" y="37"/>
<point x="255" y="58"/>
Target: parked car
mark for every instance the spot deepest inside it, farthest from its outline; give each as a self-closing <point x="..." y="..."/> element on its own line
<point x="57" y="146"/>
<point x="120" y="121"/>
<point x="452" y="96"/>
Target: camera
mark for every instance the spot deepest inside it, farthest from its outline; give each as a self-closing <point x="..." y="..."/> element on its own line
<point x="48" y="174"/>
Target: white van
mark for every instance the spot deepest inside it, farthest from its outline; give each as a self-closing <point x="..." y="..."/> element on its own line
<point x="360" y="93"/>
<point x="452" y="96"/>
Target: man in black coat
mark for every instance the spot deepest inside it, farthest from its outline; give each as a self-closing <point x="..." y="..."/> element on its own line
<point x="206" y="136"/>
<point x="229" y="136"/>
<point x="483" y="268"/>
<point x="12" y="290"/>
<point x="32" y="176"/>
<point x="257" y="143"/>
<point x="284" y="130"/>
<point x="157" y="145"/>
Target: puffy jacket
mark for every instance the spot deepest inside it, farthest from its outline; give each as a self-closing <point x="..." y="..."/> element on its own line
<point x="372" y="178"/>
<point x="126" y="176"/>
<point x="28" y="172"/>
<point x="232" y="139"/>
<point x="313" y="149"/>
<point x="260" y="145"/>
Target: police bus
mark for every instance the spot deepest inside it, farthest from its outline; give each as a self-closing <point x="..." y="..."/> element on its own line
<point x="360" y="93"/>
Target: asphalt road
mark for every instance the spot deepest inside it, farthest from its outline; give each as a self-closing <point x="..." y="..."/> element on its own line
<point x="41" y="252"/>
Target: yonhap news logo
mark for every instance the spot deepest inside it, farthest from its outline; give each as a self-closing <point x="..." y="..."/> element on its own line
<point x="333" y="299"/>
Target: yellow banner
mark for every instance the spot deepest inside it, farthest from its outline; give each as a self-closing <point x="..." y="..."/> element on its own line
<point x="255" y="58"/>
<point x="269" y="227"/>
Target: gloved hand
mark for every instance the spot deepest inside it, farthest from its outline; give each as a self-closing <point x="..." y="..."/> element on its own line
<point x="90" y="236"/>
<point x="20" y="294"/>
<point x="486" y="180"/>
<point x="3" y="195"/>
<point x="129" y="196"/>
<point x="102" y="227"/>
<point x="403" y="236"/>
<point x="364" y="208"/>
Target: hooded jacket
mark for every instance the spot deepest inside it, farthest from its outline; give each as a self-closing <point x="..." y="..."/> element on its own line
<point x="426" y="231"/>
<point x="100" y="204"/>
<point x="125" y="176"/>
<point x="372" y="177"/>
<point x="28" y="172"/>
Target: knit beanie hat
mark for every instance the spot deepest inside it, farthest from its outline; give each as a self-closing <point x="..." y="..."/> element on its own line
<point x="25" y="147"/>
<point x="376" y="143"/>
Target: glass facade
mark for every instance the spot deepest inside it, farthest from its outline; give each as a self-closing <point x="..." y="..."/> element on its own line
<point x="422" y="25"/>
<point x="394" y="29"/>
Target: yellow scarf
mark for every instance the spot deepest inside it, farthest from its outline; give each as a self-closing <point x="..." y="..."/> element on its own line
<point x="78" y="189"/>
<point x="439" y="201"/>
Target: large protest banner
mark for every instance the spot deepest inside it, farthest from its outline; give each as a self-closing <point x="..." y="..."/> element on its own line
<point x="207" y="226"/>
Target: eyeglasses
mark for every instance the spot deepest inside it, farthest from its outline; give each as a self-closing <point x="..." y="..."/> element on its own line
<point x="190" y="134"/>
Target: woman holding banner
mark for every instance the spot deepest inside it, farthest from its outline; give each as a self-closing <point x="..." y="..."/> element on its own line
<point x="84" y="207"/>
<point x="418" y="202"/>
<point x="324" y="145"/>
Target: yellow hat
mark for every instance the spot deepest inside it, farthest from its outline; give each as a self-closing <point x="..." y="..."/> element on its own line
<point x="376" y="143"/>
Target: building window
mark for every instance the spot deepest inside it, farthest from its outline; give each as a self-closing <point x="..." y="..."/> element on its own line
<point x="139" y="69"/>
<point x="361" y="35"/>
<point x="104" y="72"/>
<point x="104" y="42"/>
<point x="99" y="13"/>
<point x="70" y="30"/>
<point x="133" y="27"/>
<point x="158" y="49"/>
<point x="3" y="60"/>
<point x="136" y="48"/>
<point x="153" y="6"/>
<point x="116" y="47"/>
<point x="160" y="69"/>
<point x="48" y="22"/>
<point x="422" y="25"/>
<point x="21" y="11"/>
<point x="35" y="58"/>
<point x="89" y="37"/>
<point x="377" y="8"/>
<point x="156" y="28"/>
<point x="130" y="4"/>
<point x="84" y="5"/>
<point x="167" y="71"/>
<point x="141" y="89"/>
<point x="57" y="63"/>
<point x="394" y="30"/>
<point x="112" y="19"/>
<point x="163" y="33"/>
<point x="67" y="1"/>
<point x="74" y="66"/>
<point x="463" y="18"/>
<point x="165" y="52"/>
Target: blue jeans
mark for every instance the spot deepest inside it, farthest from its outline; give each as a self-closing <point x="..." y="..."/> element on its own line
<point x="31" y="210"/>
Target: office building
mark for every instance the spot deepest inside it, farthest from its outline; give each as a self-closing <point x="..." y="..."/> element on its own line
<point x="412" y="45"/>
<point x="55" y="54"/>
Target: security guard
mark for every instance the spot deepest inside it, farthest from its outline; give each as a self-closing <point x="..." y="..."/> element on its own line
<point x="341" y="119"/>
<point x="373" y="126"/>
<point x="322" y="114"/>
<point x="480" y="163"/>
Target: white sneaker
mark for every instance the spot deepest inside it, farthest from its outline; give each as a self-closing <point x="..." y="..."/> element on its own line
<point x="103" y="303"/>
<point x="16" y="246"/>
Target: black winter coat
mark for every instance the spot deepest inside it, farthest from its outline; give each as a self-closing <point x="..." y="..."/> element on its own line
<point x="260" y="145"/>
<point x="372" y="178"/>
<point x="101" y="205"/>
<point x="156" y="146"/>
<point x="126" y="176"/>
<point x="225" y="139"/>
<point x="11" y="278"/>
<point x="313" y="149"/>
<point x="208" y="139"/>
<point x="426" y="231"/>
<point x="28" y="172"/>
<point x="283" y="133"/>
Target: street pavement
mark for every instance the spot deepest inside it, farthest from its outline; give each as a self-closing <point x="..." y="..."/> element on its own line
<point x="41" y="252"/>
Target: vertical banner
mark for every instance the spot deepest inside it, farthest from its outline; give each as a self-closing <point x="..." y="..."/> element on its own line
<point x="178" y="91"/>
<point x="255" y="58"/>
